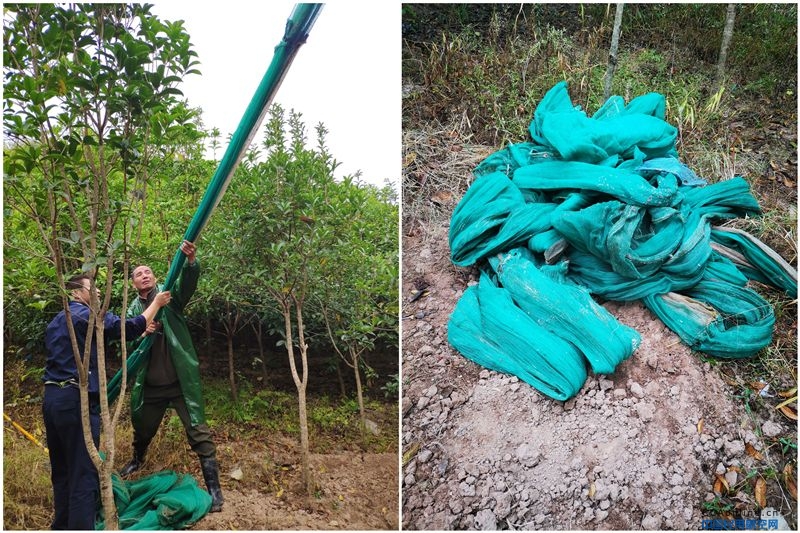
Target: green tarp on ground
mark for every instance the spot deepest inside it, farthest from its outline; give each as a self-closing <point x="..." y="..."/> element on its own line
<point x="162" y="501"/>
<point x="603" y="206"/>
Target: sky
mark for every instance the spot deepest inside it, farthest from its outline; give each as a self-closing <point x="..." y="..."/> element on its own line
<point x="346" y="75"/>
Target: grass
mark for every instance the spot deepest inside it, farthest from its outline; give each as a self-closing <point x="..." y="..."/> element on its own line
<point x="27" y="492"/>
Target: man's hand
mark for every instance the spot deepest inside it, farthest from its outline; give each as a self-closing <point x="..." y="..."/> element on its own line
<point x="189" y="250"/>
<point x="152" y="327"/>
<point x="162" y="298"/>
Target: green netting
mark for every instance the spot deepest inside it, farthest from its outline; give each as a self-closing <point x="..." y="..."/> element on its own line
<point x="166" y="500"/>
<point x="162" y="501"/>
<point x="602" y="205"/>
<point x="297" y="27"/>
<point x="517" y="344"/>
<point x="754" y="258"/>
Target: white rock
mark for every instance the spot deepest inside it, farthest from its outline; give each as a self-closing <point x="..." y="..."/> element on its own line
<point x="372" y="426"/>
<point x="637" y="390"/>
<point x="771" y="429"/>
<point x="485" y="520"/>
<point x="651" y="522"/>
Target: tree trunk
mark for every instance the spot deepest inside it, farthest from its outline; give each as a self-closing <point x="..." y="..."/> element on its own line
<point x="359" y="393"/>
<point x="260" y="340"/>
<point x="231" y="325"/>
<point x="300" y="381"/>
<point x="304" y="446"/>
<point x="110" y="513"/>
<point x="342" y="389"/>
<point x="231" y="372"/>
<point x="727" y="34"/>
<point x="612" y="54"/>
<point x="104" y="467"/>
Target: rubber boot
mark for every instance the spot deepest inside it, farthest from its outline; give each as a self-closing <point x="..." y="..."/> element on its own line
<point x="211" y="475"/>
<point x="135" y="463"/>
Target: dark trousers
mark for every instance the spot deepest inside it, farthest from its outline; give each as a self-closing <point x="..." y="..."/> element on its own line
<point x="155" y="403"/>
<point x="76" y="486"/>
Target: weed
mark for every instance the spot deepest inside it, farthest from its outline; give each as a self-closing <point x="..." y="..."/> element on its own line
<point x="391" y="387"/>
<point x="333" y="418"/>
<point x="788" y="445"/>
<point x="718" y="507"/>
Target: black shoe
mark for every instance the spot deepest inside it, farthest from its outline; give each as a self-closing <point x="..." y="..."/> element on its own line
<point x="211" y="476"/>
<point x="134" y="465"/>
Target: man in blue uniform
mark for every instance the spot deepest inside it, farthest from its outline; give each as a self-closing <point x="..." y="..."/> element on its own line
<point x="74" y="476"/>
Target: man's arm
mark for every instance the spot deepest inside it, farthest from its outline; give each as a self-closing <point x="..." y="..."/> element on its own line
<point x="135" y="326"/>
<point x="187" y="282"/>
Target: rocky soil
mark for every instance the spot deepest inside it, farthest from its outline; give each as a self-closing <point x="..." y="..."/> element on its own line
<point x="639" y="449"/>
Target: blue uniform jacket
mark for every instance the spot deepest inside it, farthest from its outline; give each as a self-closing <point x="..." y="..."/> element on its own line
<point x="60" y="364"/>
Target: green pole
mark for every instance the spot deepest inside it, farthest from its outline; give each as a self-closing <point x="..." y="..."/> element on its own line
<point x="298" y="26"/>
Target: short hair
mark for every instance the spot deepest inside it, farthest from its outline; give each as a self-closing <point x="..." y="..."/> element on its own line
<point x="130" y="274"/>
<point x="76" y="282"/>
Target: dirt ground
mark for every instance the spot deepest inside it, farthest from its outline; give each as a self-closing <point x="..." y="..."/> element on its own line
<point x="357" y="491"/>
<point x="639" y="449"/>
<point x="354" y="485"/>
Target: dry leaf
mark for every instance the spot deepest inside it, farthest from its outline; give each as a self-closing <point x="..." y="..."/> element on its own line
<point x="752" y="452"/>
<point x="757" y="385"/>
<point x="409" y="158"/>
<point x="723" y="484"/>
<point x="761" y="492"/>
<point x="410" y="453"/>
<point x="788" y="182"/>
<point x="788" y="480"/>
<point x="791" y="400"/>
<point x="792" y="488"/>
<point x="441" y="197"/>
<point x="700" y="426"/>
<point x="592" y="490"/>
<point x="788" y="393"/>
<point x="788" y="412"/>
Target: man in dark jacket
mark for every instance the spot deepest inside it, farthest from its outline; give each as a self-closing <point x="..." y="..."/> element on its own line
<point x="171" y="375"/>
<point x="74" y="476"/>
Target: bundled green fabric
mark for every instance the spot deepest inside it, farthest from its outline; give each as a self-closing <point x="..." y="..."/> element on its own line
<point x="162" y="501"/>
<point x="503" y="221"/>
<point x="755" y="259"/>
<point x="565" y="310"/>
<point x="488" y="328"/>
<point x="602" y="205"/>
<point x="718" y="318"/>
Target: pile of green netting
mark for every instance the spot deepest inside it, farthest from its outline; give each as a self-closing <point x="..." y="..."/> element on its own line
<point x="161" y="501"/>
<point x="602" y="206"/>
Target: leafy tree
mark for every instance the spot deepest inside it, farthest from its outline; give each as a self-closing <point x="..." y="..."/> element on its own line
<point x="359" y="297"/>
<point x="89" y="98"/>
<point x="285" y="201"/>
